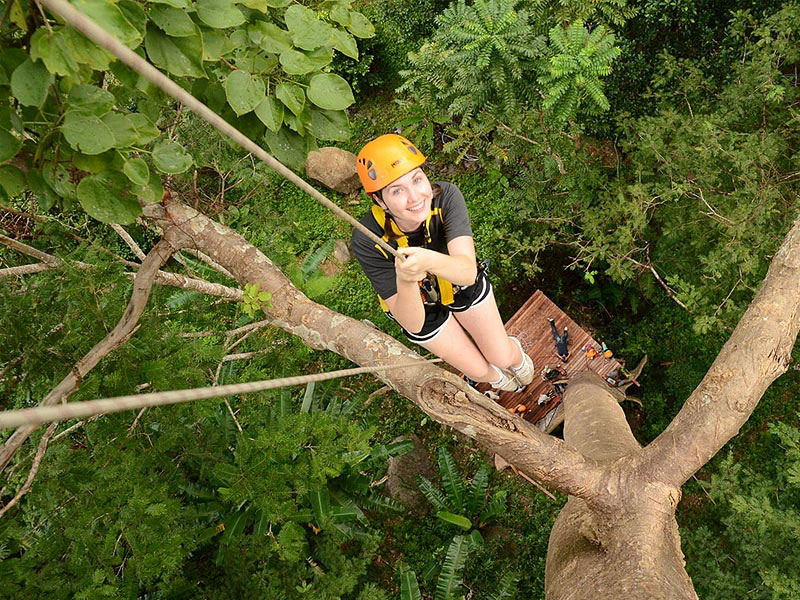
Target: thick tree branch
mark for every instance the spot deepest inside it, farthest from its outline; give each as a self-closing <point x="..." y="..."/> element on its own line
<point x="440" y="394"/>
<point x="757" y="353"/>
<point x="142" y="285"/>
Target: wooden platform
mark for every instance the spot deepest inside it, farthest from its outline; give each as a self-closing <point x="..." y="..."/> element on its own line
<point x="531" y="327"/>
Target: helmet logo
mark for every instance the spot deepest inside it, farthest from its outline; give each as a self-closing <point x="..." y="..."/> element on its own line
<point x="397" y="162"/>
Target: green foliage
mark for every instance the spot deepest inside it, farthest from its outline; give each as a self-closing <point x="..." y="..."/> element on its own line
<point x="72" y="109"/>
<point x="574" y="79"/>
<point x="759" y="519"/>
<point x="254" y="301"/>
<point x="491" y="69"/>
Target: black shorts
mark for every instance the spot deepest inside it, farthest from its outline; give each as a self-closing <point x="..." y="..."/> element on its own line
<point x="437" y="315"/>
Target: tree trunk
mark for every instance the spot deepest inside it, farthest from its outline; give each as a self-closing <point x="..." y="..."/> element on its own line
<point x="630" y="550"/>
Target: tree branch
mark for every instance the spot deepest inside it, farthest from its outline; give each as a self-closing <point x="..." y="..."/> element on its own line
<point x="128" y="240"/>
<point x="161" y="277"/>
<point x="142" y="285"/>
<point x="25" y="269"/>
<point x="757" y="353"/>
<point x="37" y="460"/>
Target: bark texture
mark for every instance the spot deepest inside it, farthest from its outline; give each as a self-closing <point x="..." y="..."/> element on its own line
<point x="631" y="549"/>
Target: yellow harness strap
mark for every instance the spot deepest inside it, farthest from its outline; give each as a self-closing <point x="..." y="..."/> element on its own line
<point x="445" y="287"/>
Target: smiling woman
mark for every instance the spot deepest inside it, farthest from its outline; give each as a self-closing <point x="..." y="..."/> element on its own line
<point x="439" y="277"/>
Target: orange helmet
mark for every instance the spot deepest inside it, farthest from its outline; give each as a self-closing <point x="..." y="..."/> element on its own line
<point x="385" y="159"/>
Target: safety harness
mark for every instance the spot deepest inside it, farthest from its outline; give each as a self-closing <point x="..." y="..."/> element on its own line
<point x="442" y="291"/>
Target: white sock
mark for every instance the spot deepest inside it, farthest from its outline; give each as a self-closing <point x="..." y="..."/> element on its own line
<point x="499" y="379"/>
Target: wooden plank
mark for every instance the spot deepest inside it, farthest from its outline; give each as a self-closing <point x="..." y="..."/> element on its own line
<point x="531" y="327"/>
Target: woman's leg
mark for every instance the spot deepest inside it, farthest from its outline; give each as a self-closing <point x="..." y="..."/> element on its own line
<point x="484" y="324"/>
<point x="454" y="346"/>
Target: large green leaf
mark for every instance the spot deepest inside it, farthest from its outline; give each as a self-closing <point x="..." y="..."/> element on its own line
<point x="292" y="95"/>
<point x="272" y="38"/>
<point x="45" y="195"/>
<point x="409" y="588"/>
<point x="174" y="3"/>
<point x="452" y="480"/>
<point x="288" y="147"/>
<point x="52" y="48"/>
<point x="308" y="398"/>
<point x="270" y="112"/>
<point x="329" y="91"/>
<point x="86" y="52"/>
<point x="453" y="519"/>
<point x="340" y="14"/>
<point x="296" y="63"/>
<point x="219" y="14"/>
<point x="181" y="56"/>
<point x="360" y="26"/>
<point x="108" y="197"/>
<point x="111" y="18"/>
<point x="9" y="145"/>
<point x="12" y="180"/>
<point x="449" y="582"/>
<point x="137" y="171"/>
<point x="320" y="504"/>
<point x="30" y="83"/>
<point x="173" y="21"/>
<point x="146" y="131"/>
<point x="321" y="57"/>
<point x="330" y="125"/>
<point x="152" y="191"/>
<point x="122" y="127"/>
<point x="308" y="32"/>
<point x="90" y="100"/>
<point x="216" y="44"/>
<point x="244" y="91"/>
<point x="87" y="133"/>
<point x="345" y="43"/>
<point x="171" y="158"/>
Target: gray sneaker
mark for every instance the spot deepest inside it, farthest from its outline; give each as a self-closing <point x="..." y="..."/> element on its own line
<point x="506" y="383"/>
<point x="525" y="372"/>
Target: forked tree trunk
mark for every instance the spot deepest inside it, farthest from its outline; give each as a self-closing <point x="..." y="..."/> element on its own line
<point x="631" y="550"/>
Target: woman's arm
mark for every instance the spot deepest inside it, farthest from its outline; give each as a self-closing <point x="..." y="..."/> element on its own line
<point x="459" y="267"/>
<point x="406" y="306"/>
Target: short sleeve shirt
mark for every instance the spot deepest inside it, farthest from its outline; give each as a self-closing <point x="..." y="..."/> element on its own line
<point x="380" y="269"/>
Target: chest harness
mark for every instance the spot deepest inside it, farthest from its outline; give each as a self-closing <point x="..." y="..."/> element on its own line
<point x="433" y="289"/>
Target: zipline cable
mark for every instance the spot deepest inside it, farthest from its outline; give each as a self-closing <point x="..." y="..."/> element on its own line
<point x="62" y="412"/>
<point x="97" y="34"/>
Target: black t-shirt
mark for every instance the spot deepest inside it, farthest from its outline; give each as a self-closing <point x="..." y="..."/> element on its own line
<point x="453" y="223"/>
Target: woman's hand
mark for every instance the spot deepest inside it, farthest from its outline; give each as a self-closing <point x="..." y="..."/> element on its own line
<point x="416" y="265"/>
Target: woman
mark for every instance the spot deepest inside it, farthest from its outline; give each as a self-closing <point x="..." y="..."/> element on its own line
<point x="439" y="294"/>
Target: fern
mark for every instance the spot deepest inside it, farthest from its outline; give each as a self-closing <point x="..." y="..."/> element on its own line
<point x="477" y="489"/>
<point x="433" y="494"/>
<point x="409" y="588"/>
<point x="450" y="576"/>
<point x="507" y="588"/>
<point x="452" y="481"/>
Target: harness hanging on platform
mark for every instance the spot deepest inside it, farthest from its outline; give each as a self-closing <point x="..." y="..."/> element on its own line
<point x="446" y="291"/>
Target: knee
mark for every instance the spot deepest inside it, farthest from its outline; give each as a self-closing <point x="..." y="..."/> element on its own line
<point x="502" y="355"/>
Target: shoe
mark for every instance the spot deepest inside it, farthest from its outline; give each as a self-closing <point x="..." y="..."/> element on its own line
<point x="506" y="383"/>
<point x="525" y="372"/>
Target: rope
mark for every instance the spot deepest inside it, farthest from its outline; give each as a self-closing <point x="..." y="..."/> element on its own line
<point x="94" y="32"/>
<point x="62" y="412"/>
